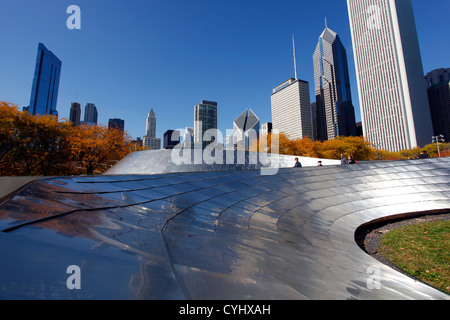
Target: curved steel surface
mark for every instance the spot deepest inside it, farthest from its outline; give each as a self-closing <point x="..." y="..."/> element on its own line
<point x="214" y="235"/>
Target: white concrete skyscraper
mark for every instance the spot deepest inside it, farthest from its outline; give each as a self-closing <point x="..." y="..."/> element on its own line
<point x="151" y="124"/>
<point x="291" y="107"/>
<point x="392" y="92"/>
<point x="150" y="139"/>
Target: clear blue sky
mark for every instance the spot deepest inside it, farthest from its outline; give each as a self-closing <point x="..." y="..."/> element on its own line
<point x="131" y="56"/>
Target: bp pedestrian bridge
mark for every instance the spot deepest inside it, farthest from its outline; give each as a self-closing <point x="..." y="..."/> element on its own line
<point x="149" y="229"/>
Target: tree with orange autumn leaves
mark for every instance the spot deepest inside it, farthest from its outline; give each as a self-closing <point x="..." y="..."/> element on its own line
<point x="357" y="147"/>
<point x="42" y="145"/>
<point x="96" y="148"/>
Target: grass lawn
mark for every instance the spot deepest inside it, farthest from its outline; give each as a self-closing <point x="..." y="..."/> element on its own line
<point x="421" y="250"/>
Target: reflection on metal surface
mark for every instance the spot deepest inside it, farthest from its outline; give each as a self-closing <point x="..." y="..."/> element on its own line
<point x="190" y="160"/>
<point x="214" y="235"/>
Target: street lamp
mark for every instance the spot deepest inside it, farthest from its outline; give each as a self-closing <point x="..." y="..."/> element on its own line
<point x="377" y="147"/>
<point x="437" y="139"/>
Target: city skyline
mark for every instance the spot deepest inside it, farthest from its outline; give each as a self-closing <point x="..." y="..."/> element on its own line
<point x="236" y="61"/>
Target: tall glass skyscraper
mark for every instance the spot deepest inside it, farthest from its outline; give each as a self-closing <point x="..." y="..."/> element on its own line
<point x="335" y="112"/>
<point x="44" y="92"/>
<point x="118" y="124"/>
<point x="394" y="106"/>
<point x="75" y="114"/>
<point x="438" y="83"/>
<point x="205" y="118"/>
<point x="90" y="114"/>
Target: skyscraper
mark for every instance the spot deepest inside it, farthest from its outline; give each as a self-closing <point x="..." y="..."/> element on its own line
<point x="394" y="106"/>
<point x="335" y="114"/>
<point x="188" y="138"/>
<point x="150" y="139"/>
<point x="291" y="109"/>
<point x="90" y="114"/>
<point x="205" y="118"/>
<point x="266" y="128"/>
<point x="44" y="92"/>
<point x="171" y="139"/>
<point x="151" y="124"/>
<point x="116" y="123"/>
<point x="75" y="114"/>
<point x="438" y="82"/>
<point x="246" y="128"/>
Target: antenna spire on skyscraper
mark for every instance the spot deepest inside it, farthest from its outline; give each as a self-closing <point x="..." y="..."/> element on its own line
<point x="295" y="59"/>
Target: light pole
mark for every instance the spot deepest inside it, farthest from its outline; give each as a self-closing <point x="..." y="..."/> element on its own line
<point x="437" y="139"/>
<point x="377" y="147"/>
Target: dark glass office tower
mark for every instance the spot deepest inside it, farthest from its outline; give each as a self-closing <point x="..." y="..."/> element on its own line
<point x="75" y="114"/>
<point x="205" y="118"/>
<point x="438" y="82"/>
<point x="116" y="123"/>
<point x="44" y="93"/>
<point x="335" y="111"/>
<point x="171" y="139"/>
<point x="90" y="114"/>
